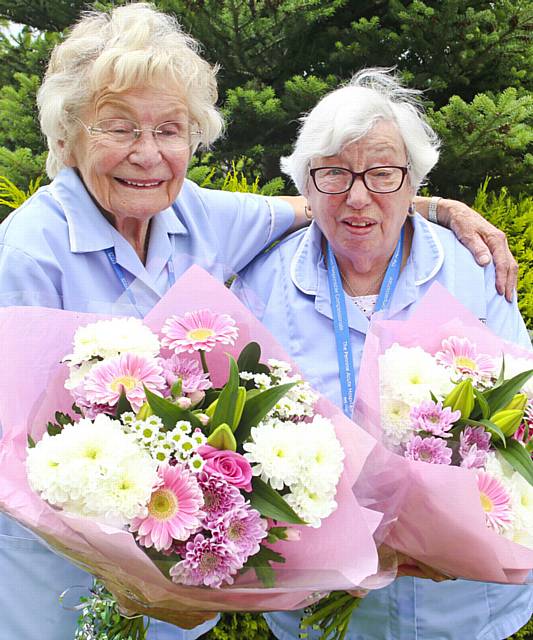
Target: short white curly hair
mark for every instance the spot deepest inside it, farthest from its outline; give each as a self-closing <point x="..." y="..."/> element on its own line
<point x="132" y="46"/>
<point x="348" y="113"/>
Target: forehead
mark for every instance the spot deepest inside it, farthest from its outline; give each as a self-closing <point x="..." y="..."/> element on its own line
<point x="145" y="102"/>
<point x="383" y="140"/>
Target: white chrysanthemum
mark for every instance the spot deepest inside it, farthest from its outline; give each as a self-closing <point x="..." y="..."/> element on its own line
<point x="93" y="468"/>
<point x="521" y="529"/>
<point x="311" y="506"/>
<point x="395" y="420"/>
<point x="514" y="366"/>
<point x="412" y="374"/>
<point x="321" y="456"/>
<point x="110" y="338"/>
<point x="274" y="452"/>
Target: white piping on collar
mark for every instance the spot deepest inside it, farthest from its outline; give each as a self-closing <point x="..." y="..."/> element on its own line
<point x="304" y="242"/>
<point x="440" y="258"/>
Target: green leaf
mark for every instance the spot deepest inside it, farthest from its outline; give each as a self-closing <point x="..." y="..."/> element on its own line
<point x="260" y="562"/>
<point x="499" y="397"/>
<point x="270" y="504"/>
<point x="249" y="357"/>
<point x="257" y="407"/>
<point x="53" y="429"/>
<point x="31" y="442"/>
<point x="222" y="438"/>
<point x="123" y="404"/>
<point x="168" y="412"/>
<point x="517" y="456"/>
<point x="227" y="400"/>
<point x="482" y="403"/>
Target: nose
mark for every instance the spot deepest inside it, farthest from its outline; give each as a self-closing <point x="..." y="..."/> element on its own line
<point x="358" y="196"/>
<point x="145" y="150"/>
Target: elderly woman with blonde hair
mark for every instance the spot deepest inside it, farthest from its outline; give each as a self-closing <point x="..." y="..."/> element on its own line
<point x="125" y="101"/>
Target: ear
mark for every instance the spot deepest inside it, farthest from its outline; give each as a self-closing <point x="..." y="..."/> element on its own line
<point x="68" y="157"/>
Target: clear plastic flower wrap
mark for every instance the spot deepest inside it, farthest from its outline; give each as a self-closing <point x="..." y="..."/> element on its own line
<point x="176" y="411"/>
<point x="455" y="404"/>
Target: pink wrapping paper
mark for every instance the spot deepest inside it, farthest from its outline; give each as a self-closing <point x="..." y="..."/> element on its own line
<point x="339" y="555"/>
<point x="441" y="522"/>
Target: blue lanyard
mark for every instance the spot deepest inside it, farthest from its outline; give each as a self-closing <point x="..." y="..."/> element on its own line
<point x="340" y="317"/>
<point x="119" y="272"/>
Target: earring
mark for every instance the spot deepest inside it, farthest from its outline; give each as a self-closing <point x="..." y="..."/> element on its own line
<point x="307" y="212"/>
<point x="411" y="209"/>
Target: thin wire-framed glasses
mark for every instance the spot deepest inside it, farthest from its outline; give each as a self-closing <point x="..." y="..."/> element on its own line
<point x="335" y="180"/>
<point x="121" y="132"/>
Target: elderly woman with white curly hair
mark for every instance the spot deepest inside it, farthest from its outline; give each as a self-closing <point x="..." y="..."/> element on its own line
<point x="359" y="158"/>
<point x="125" y="101"/>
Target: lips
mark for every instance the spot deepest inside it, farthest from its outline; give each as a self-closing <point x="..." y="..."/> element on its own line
<point x="359" y="224"/>
<point x="139" y="184"/>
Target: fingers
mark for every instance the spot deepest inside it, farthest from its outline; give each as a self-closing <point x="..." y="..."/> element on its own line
<point x="486" y="243"/>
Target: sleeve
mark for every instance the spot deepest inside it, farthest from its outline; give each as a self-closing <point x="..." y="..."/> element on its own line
<point x="245" y="224"/>
<point x="504" y="317"/>
<point x="24" y="282"/>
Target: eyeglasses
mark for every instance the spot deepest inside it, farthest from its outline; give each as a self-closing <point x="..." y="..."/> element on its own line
<point x="174" y="135"/>
<point x="335" y="180"/>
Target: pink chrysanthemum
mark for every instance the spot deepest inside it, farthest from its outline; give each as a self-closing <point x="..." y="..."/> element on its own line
<point x="219" y="496"/>
<point x="461" y="355"/>
<point x="174" y="510"/>
<point x="244" y="529"/>
<point x="191" y="374"/>
<point x="495" y="501"/>
<point x="473" y="447"/>
<point x="432" y="450"/>
<point x="129" y="372"/>
<point x="198" y="330"/>
<point x="207" y="561"/>
<point x="432" y="418"/>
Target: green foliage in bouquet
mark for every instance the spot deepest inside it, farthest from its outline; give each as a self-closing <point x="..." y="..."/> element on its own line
<point x="514" y="216"/>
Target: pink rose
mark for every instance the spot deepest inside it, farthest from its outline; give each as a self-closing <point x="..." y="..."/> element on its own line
<point x="233" y="467"/>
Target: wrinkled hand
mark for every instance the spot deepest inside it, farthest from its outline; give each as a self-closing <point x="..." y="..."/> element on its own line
<point x="484" y="241"/>
<point x="408" y="566"/>
<point x="183" y="619"/>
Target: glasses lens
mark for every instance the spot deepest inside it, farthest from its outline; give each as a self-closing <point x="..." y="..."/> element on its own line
<point x="384" y="179"/>
<point x="332" y="179"/>
<point x="115" y="130"/>
<point x="173" y="134"/>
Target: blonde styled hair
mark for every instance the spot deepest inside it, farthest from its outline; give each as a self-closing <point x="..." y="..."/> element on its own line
<point x="130" y="47"/>
<point x="348" y="113"/>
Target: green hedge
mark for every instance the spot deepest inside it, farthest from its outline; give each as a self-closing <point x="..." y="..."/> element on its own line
<point x="514" y="216"/>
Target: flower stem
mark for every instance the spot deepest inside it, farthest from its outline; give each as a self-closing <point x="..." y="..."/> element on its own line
<point x="204" y="361"/>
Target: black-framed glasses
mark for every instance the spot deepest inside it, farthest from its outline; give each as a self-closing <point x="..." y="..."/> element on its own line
<point x="335" y="180"/>
<point x="121" y="132"/>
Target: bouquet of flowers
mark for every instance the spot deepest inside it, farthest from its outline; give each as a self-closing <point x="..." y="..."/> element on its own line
<point x="457" y="396"/>
<point x="168" y="460"/>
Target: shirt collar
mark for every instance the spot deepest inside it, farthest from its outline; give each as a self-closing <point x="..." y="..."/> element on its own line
<point x="427" y="256"/>
<point x="88" y="229"/>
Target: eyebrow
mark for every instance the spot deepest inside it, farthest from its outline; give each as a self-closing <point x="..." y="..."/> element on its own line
<point x="174" y="112"/>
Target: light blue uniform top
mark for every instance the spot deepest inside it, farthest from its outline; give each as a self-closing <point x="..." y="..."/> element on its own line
<point x="52" y="254"/>
<point x="287" y="288"/>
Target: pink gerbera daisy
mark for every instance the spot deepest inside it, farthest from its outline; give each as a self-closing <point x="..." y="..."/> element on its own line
<point x="431" y="450"/>
<point x="125" y="373"/>
<point x="461" y="355"/>
<point x="495" y="501"/>
<point x="174" y="510"/>
<point x="198" y="330"/>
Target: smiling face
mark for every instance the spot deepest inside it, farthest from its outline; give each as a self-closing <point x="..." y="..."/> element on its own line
<point x="363" y="227"/>
<point x="137" y="181"/>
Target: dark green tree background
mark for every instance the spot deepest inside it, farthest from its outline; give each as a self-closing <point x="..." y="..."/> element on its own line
<point x="474" y="61"/>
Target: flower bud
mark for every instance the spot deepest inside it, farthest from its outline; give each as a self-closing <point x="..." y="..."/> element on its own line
<point x="204" y="418"/>
<point x="461" y="398"/>
<point x="508" y="420"/>
<point x="518" y="402"/>
<point x="184" y="402"/>
<point x="144" y="412"/>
